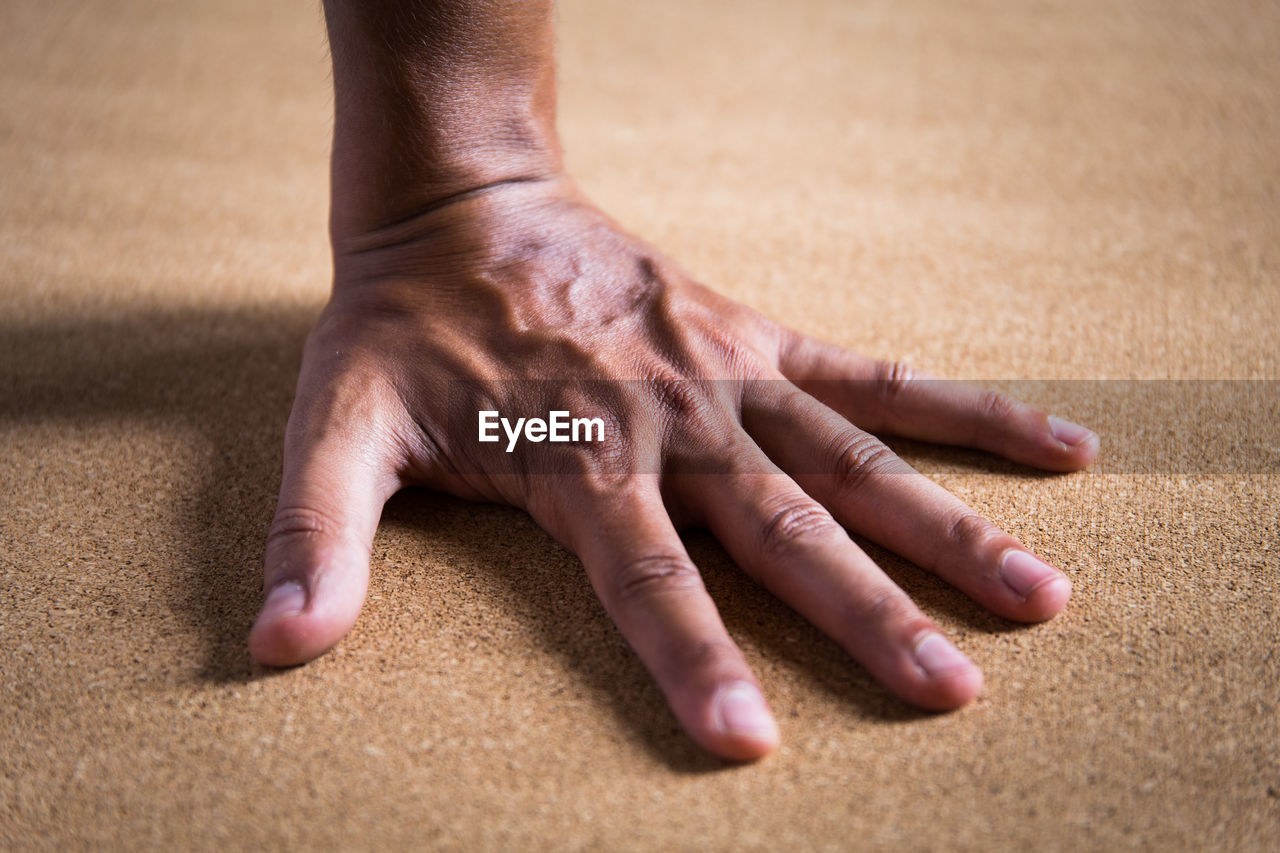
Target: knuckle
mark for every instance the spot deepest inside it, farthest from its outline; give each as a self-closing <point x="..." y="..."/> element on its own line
<point x="681" y="399"/>
<point x="967" y="535"/>
<point x="794" y="349"/>
<point x="968" y="531"/>
<point x="794" y="522"/>
<point x="603" y="469"/>
<point x="706" y="655"/>
<point x="890" y="611"/>
<point x="996" y="406"/>
<point x="860" y="458"/>
<point x="645" y="577"/>
<point x="296" y="522"/>
<point x="891" y="379"/>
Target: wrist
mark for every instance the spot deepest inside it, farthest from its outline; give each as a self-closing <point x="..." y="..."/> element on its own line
<point x="380" y="182"/>
<point x="434" y="101"/>
<point x="490" y="227"/>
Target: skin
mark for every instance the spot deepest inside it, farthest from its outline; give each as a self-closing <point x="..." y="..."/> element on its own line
<point x="470" y="272"/>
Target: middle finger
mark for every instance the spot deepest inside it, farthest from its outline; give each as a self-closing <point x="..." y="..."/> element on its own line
<point x="791" y="544"/>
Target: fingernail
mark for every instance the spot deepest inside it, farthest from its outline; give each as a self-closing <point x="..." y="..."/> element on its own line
<point x="740" y="710"/>
<point x="1068" y="433"/>
<point x="1024" y="573"/>
<point x="285" y="599"/>
<point x="937" y="657"/>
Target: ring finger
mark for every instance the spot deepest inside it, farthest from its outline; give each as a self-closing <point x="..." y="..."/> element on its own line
<point x="870" y="490"/>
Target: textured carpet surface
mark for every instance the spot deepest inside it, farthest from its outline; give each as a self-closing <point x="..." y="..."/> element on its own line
<point x="992" y="190"/>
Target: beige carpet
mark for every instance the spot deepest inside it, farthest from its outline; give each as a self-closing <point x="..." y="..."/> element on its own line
<point x="992" y="190"/>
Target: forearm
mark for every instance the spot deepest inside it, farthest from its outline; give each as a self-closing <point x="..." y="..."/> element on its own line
<point x="435" y="98"/>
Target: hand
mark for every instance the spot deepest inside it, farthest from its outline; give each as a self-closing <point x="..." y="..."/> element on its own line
<point x="521" y="297"/>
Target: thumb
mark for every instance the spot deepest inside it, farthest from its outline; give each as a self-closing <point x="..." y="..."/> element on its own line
<point x="316" y="572"/>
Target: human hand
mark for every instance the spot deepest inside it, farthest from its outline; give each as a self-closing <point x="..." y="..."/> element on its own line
<point x="523" y="298"/>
